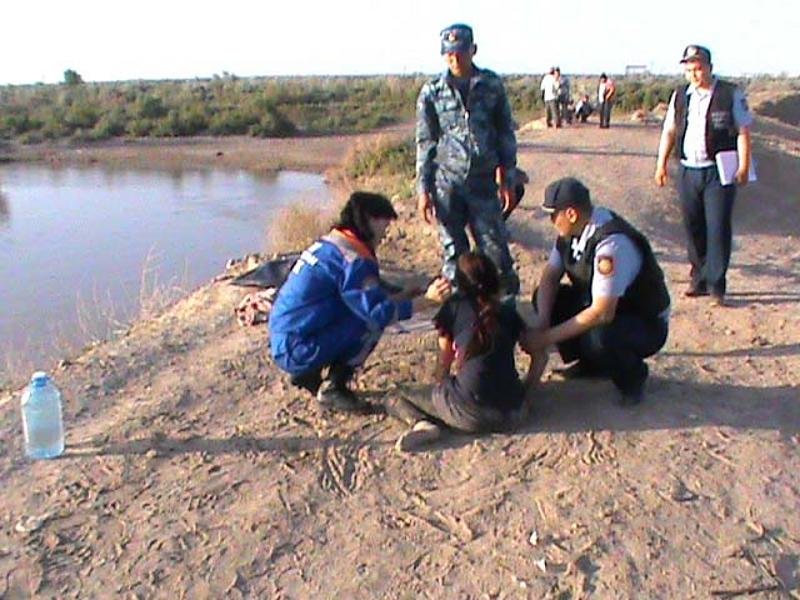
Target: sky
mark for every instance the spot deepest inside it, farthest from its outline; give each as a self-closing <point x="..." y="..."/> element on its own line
<point x="175" y="39"/>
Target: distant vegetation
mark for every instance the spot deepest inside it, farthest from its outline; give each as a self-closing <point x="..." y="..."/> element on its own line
<point x="263" y="107"/>
<point x="269" y="107"/>
<point x="786" y="109"/>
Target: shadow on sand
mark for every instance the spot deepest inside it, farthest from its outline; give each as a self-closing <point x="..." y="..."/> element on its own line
<point x="582" y="407"/>
<point x="560" y="407"/>
<point x="164" y="447"/>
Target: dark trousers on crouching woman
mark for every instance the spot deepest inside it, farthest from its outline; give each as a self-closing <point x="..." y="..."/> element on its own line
<point x="616" y="350"/>
<point x="445" y="406"/>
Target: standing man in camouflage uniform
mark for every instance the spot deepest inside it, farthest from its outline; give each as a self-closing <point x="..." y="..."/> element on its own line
<point x="467" y="156"/>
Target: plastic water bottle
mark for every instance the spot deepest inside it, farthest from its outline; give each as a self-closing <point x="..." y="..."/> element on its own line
<point x="41" y="418"/>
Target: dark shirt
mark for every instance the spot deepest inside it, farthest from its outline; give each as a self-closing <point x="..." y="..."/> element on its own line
<point x="462" y="85"/>
<point x="489" y="378"/>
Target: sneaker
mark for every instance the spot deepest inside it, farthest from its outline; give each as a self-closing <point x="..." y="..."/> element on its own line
<point x="340" y="398"/>
<point x="421" y="434"/>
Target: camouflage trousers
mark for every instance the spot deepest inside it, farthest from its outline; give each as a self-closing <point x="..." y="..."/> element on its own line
<point x="474" y="204"/>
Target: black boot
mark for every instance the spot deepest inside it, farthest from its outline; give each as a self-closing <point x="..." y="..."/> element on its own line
<point x="335" y="395"/>
<point x="634" y="393"/>
<point x="310" y="380"/>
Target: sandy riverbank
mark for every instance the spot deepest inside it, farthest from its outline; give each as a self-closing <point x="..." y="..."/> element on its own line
<point x="316" y="154"/>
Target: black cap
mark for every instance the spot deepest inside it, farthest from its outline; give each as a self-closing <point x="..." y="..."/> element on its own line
<point x="564" y="193"/>
<point x="695" y="52"/>
<point x="456" y="38"/>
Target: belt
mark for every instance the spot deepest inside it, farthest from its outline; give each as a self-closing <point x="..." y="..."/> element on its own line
<point x="703" y="166"/>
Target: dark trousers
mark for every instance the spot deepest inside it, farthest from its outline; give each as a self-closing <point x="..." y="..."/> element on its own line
<point x="552" y="113"/>
<point x="605" y="113"/>
<point x="473" y="204"/>
<point x="447" y="408"/>
<point x="616" y="349"/>
<point x="564" y="111"/>
<point x="707" y="208"/>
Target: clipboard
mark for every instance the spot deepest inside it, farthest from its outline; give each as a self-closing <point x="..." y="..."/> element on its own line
<point x="728" y="163"/>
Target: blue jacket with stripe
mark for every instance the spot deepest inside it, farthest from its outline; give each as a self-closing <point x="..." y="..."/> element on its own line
<point x="334" y="284"/>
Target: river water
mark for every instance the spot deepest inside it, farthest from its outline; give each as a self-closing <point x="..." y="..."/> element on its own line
<point x="78" y="245"/>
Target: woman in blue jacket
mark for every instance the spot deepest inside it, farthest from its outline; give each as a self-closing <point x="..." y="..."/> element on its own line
<point x="331" y="311"/>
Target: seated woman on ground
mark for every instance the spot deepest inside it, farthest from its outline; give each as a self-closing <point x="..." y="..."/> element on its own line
<point x="331" y="311"/>
<point x="477" y="335"/>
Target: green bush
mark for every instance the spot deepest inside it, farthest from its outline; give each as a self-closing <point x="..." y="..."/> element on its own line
<point x="53" y="127"/>
<point x="273" y="124"/>
<point x="111" y="124"/>
<point x="139" y="127"/>
<point x="186" y="121"/>
<point x="386" y="157"/>
<point x="151" y="107"/>
<point x="17" y="124"/>
<point x="31" y="137"/>
<point x="232" y="122"/>
<point x="81" y="115"/>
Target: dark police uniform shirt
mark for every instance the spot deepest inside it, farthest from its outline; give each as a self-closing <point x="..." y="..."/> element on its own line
<point x="694" y="144"/>
<point x="625" y="258"/>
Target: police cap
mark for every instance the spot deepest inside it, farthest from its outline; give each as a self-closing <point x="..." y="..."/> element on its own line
<point x="695" y="52"/>
<point x="456" y="38"/>
<point x="564" y="193"/>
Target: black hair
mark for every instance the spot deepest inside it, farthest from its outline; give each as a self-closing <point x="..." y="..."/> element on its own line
<point x="357" y="209"/>
<point x="477" y="279"/>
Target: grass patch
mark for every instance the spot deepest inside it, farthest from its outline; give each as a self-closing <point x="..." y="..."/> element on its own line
<point x="387" y="163"/>
<point x="296" y="227"/>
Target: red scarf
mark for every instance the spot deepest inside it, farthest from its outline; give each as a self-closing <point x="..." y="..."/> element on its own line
<point x="362" y="248"/>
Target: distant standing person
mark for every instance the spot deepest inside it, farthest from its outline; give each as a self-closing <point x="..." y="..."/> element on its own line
<point x="606" y="94"/>
<point x="467" y="157"/>
<point x="564" y="96"/>
<point x="549" y="89"/>
<point x="705" y="117"/>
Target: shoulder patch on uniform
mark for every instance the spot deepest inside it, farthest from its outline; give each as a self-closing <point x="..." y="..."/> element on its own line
<point x="605" y="265"/>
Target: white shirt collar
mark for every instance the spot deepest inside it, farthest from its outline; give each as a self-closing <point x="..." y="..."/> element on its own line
<point x="578" y="244"/>
<point x="694" y="89"/>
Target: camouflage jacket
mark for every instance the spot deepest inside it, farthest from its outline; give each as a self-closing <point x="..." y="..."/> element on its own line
<point x="462" y="141"/>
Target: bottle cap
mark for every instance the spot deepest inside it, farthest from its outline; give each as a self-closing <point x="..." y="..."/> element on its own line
<point x="39" y="378"/>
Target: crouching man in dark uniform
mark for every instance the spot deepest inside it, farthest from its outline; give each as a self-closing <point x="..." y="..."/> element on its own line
<point x="614" y="311"/>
